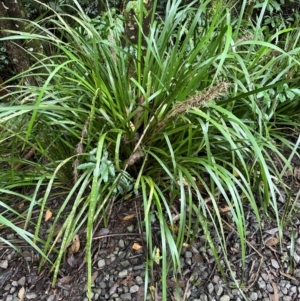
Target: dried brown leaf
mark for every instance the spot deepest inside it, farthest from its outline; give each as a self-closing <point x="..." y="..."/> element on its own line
<point x="134" y="157"/>
<point x="94" y="276"/>
<point x="127" y="282"/>
<point x="272" y="241"/>
<point x="234" y="250"/>
<point x="275" y="296"/>
<point x="20" y="206"/>
<point x="48" y="215"/>
<point x="114" y="288"/>
<point x="197" y="258"/>
<point x="27" y="254"/>
<point x="129" y="217"/>
<point x="56" y="230"/>
<point x="21" y="293"/>
<point x="66" y="279"/>
<point x="224" y="208"/>
<point x="140" y="293"/>
<point x="136" y="246"/>
<point x="75" y="245"/>
<point x="177" y="283"/>
<point x="288" y="276"/>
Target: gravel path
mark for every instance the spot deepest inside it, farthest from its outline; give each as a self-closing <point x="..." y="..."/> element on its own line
<point x="119" y="272"/>
<point x="270" y="273"/>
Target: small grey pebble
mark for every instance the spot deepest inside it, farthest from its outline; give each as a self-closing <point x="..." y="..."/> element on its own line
<point x="101" y="263"/>
<point x="225" y="298"/>
<point x="188" y="261"/>
<point x="295" y="282"/>
<point x="130" y="228"/>
<point x="216" y="279"/>
<point x="51" y="298"/>
<point x="287" y="298"/>
<point x="123" y="273"/>
<point x="259" y="295"/>
<point x="126" y="296"/>
<point x="203" y="297"/>
<point x="253" y="296"/>
<point x="4" y="264"/>
<point x="14" y="283"/>
<point x="125" y="263"/>
<point x="121" y="244"/>
<point x="112" y="257"/>
<point x="9" y="298"/>
<point x="21" y="281"/>
<point x="188" y="254"/>
<point x="125" y="289"/>
<point x="134" y="289"/>
<point x="261" y="284"/>
<point x="218" y="290"/>
<point x="274" y="263"/>
<point x="210" y="288"/>
<point x="31" y="295"/>
<point x="139" y="267"/>
<point x="7" y="287"/>
<point x="12" y="290"/>
<point x="293" y="289"/>
<point x="102" y="284"/>
<point x="296" y="273"/>
<point x="139" y="280"/>
<point x="296" y="257"/>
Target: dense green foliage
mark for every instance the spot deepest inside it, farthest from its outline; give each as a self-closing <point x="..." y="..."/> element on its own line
<point x="190" y="121"/>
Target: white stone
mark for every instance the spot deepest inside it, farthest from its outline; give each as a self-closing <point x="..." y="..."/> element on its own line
<point x="123" y="274"/>
<point x="139" y="280"/>
<point x="134" y="289"/>
<point x="4" y="264"/>
<point x="274" y="263"/>
<point x="121" y="244"/>
<point x="225" y="298"/>
<point x="31" y="295"/>
<point x="101" y="263"/>
<point x="218" y="290"/>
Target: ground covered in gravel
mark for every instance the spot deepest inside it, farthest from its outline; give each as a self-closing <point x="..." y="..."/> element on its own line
<point x="271" y="272"/>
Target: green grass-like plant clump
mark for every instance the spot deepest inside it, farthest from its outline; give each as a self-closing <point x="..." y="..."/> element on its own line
<point x="189" y="120"/>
